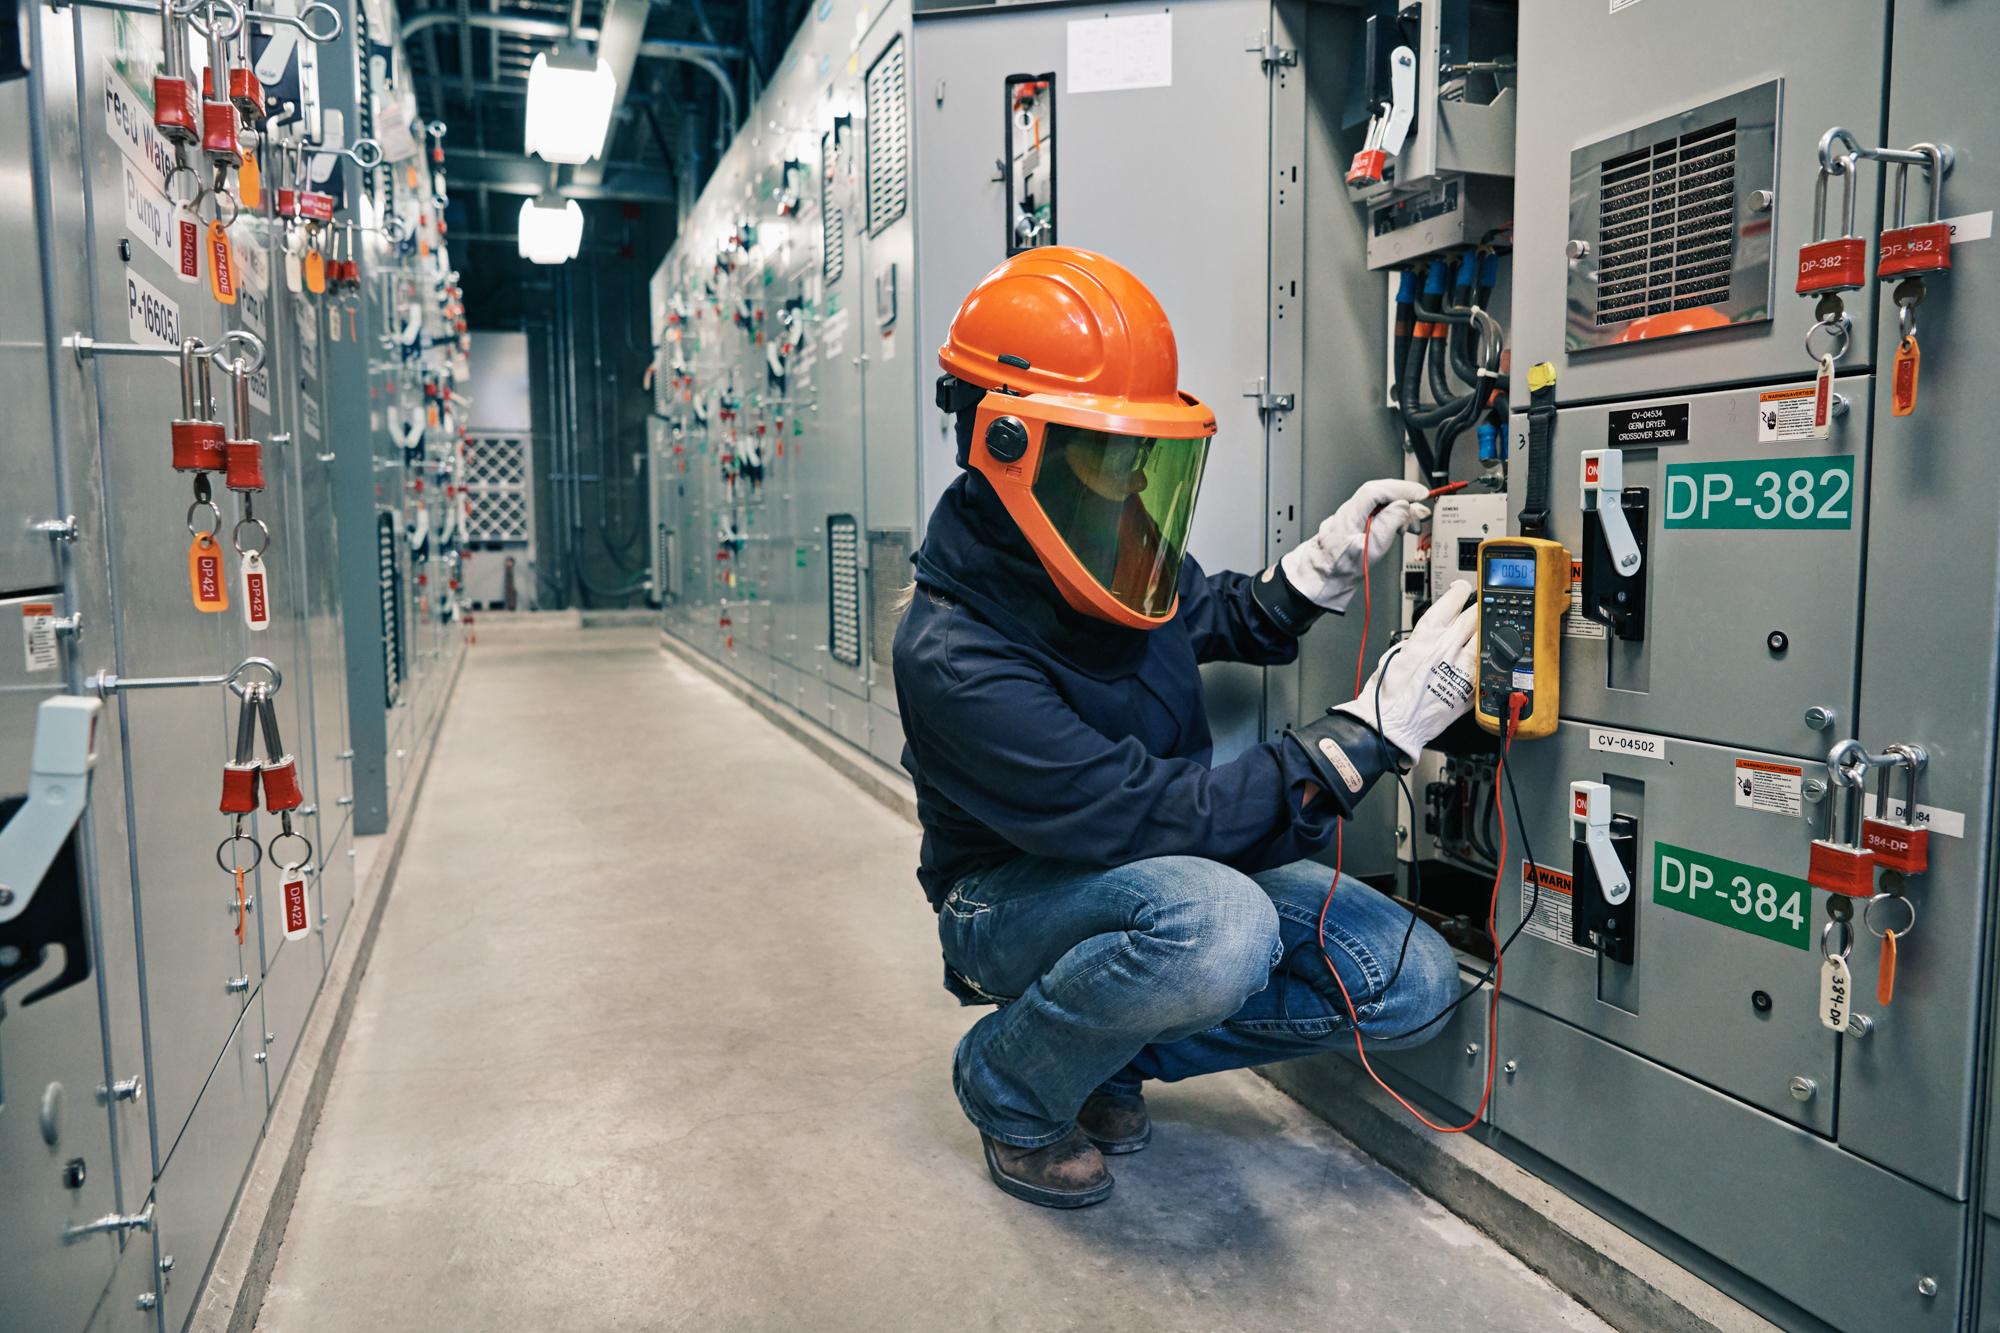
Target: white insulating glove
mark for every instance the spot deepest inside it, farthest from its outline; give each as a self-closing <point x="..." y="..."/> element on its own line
<point x="1425" y="682"/>
<point x="1326" y="568"/>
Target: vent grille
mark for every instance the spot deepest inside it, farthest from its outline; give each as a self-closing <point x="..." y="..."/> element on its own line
<point x="1666" y="226"/>
<point x="832" y="217"/>
<point x="389" y="579"/>
<point x="667" y="565"/>
<point x="888" y="575"/>
<point x="843" y="589"/>
<point x="496" y="489"/>
<point x="888" y="139"/>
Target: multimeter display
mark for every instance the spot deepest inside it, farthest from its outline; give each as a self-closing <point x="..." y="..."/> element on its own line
<point x="1510" y="572"/>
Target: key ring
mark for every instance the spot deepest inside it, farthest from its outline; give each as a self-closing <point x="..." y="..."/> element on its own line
<point x="1868" y="912"/>
<point x="291" y="866"/>
<point x="192" y="201"/>
<point x="235" y="207"/>
<point x="1847" y="940"/>
<point x="1906" y="321"/>
<point x="214" y="512"/>
<point x="1837" y="326"/>
<point x="236" y="536"/>
<point x="230" y="867"/>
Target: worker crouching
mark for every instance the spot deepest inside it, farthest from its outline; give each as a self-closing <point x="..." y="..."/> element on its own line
<point x="1136" y="911"/>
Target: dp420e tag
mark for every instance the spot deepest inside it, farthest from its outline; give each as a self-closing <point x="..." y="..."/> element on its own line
<point x="1730" y="893"/>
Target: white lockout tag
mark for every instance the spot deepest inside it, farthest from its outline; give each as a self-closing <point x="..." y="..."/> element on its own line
<point x="1604" y="495"/>
<point x="1822" y="418"/>
<point x="1590" y="819"/>
<point x="298" y="921"/>
<point x="1836" y="994"/>
<point x="256" y="585"/>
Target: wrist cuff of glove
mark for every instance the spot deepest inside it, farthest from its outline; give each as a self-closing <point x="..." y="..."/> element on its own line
<point x="1291" y="609"/>
<point x="1346" y="754"/>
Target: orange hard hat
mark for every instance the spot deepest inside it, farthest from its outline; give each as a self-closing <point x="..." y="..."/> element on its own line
<point x="1081" y="427"/>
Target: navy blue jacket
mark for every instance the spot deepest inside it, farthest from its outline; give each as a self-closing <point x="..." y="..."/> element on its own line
<point x="1031" y="728"/>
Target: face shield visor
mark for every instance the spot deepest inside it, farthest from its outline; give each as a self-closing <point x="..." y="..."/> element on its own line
<point x="1105" y="502"/>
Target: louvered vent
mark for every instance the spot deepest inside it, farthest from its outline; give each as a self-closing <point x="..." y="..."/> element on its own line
<point x="832" y="217"/>
<point x="1667" y="226"/>
<point x="888" y="139"/>
<point x="843" y="589"/>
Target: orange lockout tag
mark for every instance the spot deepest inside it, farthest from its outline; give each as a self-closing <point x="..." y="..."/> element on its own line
<point x="242" y="906"/>
<point x="205" y="581"/>
<point x="315" y="272"/>
<point x="1885" y="979"/>
<point x="410" y="177"/>
<point x="250" y="182"/>
<point x="1903" y="377"/>
<point x="221" y="264"/>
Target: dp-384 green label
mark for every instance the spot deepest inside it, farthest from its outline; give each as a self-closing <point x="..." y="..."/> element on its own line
<point x="1731" y="893"/>
<point x="1762" y="493"/>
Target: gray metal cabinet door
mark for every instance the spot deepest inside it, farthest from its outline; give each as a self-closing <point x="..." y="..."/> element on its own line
<point x="27" y="476"/>
<point x="1589" y="72"/>
<point x="1707" y="945"/>
<point x="197" y="1186"/>
<point x="1931" y="645"/>
<point x="1746" y="538"/>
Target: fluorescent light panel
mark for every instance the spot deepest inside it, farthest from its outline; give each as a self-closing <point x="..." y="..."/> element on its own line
<point x="551" y="230"/>
<point x="569" y="106"/>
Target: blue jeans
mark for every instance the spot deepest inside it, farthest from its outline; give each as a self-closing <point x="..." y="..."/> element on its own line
<point x="1164" y="969"/>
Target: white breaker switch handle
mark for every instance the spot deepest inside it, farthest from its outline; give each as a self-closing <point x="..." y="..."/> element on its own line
<point x="1590" y="817"/>
<point x="1604" y="495"/>
<point x="58" y="790"/>
<point x="1402" y="99"/>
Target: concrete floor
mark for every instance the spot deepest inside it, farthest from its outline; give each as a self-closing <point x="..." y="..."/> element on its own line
<point x="653" y="1039"/>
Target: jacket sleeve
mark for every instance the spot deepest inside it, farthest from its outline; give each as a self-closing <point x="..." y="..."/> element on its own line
<point x="1007" y="748"/>
<point x="1240" y="618"/>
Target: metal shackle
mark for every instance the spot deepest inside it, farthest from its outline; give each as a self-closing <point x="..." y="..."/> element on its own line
<point x="1844" y="167"/>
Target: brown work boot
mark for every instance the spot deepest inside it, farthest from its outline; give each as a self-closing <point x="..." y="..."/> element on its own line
<point x="1116" y="1122"/>
<point x="1068" y="1173"/>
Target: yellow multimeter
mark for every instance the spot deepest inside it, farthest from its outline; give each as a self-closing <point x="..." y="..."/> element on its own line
<point x="1523" y="595"/>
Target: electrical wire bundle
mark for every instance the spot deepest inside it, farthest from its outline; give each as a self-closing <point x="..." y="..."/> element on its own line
<point x="1494" y="974"/>
<point x="1438" y="340"/>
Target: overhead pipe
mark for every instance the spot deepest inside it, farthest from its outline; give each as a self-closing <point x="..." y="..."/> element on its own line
<point x="702" y="55"/>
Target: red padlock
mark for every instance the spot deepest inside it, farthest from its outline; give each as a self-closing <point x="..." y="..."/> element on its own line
<point x="218" y="134"/>
<point x="239" y="777"/>
<point x="1839" y="264"/>
<point x="1842" y="867"/>
<point x="197" y="441"/>
<point x="1923" y="249"/>
<point x="281" y="770"/>
<point x="174" y="114"/>
<point x="243" y="456"/>
<point x="1899" y="844"/>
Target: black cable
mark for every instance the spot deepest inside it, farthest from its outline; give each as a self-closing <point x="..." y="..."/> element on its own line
<point x="1534" y="904"/>
<point x="1416" y="875"/>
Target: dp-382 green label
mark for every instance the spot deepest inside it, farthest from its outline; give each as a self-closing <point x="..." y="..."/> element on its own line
<point x="1731" y="893"/>
<point x="1762" y="493"/>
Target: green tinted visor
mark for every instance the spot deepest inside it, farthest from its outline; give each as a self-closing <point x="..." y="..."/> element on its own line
<point x="1122" y="504"/>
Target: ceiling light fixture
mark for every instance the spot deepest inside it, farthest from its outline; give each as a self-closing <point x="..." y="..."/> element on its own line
<point x="570" y="92"/>
<point x="551" y="230"/>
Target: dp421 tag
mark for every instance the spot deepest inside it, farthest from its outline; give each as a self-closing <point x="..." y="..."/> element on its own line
<point x="205" y="577"/>
<point x="256" y="584"/>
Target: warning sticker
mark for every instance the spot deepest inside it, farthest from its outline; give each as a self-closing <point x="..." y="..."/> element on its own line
<point x="1773" y="788"/>
<point x="1575" y="624"/>
<point x="1785" y="414"/>
<point x="1551" y="917"/>
<point x="38" y="634"/>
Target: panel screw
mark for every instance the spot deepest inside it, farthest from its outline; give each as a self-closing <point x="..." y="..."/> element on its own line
<point x="1577" y="249"/>
<point x="1803" y="1088"/>
<point x="147" y="1300"/>
<point x="1778" y="642"/>
<point x="1927" y="1286"/>
<point x="1859" y="1025"/>
<point x="166" y="1263"/>
<point x="1761" y="201"/>
<point x="1471" y="1048"/>
<point x="1814" y="789"/>
<point x="74" y="1174"/>
<point x="1819" y="717"/>
<point x="260" y="1057"/>
<point x="1760" y="1001"/>
<point x="1512" y="1067"/>
<point x="124" y="250"/>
